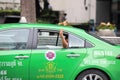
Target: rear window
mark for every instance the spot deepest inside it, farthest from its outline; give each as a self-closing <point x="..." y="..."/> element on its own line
<point x="109" y="40"/>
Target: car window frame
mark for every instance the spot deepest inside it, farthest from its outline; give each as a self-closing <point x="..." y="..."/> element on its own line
<point x="78" y="38"/>
<point x="29" y="40"/>
<point x="35" y="37"/>
<point x="85" y="46"/>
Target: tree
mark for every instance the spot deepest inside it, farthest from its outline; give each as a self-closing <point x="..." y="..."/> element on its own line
<point x="28" y="10"/>
<point x="46" y="5"/>
<point x="38" y="9"/>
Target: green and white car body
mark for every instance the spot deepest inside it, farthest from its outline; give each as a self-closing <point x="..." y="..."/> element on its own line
<point x="27" y="52"/>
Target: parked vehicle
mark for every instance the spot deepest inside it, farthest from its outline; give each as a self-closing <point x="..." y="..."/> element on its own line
<point x="34" y="52"/>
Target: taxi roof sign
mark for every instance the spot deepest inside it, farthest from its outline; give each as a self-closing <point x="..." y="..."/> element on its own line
<point x="22" y="20"/>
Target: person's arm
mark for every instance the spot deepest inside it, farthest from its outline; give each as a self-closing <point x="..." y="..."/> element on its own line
<point x="64" y="41"/>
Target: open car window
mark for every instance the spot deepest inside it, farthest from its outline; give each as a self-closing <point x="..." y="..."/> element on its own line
<point x="48" y="39"/>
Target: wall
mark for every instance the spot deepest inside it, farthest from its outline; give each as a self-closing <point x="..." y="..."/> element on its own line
<point x="17" y="1"/>
<point x="58" y="5"/>
<point x="92" y="6"/>
<point x="76" y="12"/>
<point x="9" y="4"/>
<point x="75" y="9"/>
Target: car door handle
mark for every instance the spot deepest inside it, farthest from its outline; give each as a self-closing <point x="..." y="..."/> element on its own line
<point x="21" y="57"/>
<point x="73" y="55"/>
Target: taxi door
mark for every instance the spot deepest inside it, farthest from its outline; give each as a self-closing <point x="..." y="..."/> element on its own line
<point x="52" y="63"/>
<point x="14" y="54"/>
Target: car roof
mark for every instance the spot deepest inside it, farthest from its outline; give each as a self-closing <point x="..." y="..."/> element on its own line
<point x="76" y="31"/>
<point x="36" y="25"/>
<point x="22" y="25"/>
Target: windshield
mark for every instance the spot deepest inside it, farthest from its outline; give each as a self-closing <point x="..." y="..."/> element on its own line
<point x="110" y="40"/>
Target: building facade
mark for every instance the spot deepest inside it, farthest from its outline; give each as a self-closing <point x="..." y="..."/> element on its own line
<point x="82" y="11"/>
<point x="79" y="11"/>
<point x="9" y="4"/>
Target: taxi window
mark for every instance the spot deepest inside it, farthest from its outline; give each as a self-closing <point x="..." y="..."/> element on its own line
<point x="75" y="42"/>
<point x="13" y="39"/>
<point x="48" y="39"/>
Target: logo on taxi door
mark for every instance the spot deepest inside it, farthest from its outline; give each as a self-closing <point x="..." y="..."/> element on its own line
<point x="50" y="55"/>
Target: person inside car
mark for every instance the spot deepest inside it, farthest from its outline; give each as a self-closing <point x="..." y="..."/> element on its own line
<point x="64" y="39"/>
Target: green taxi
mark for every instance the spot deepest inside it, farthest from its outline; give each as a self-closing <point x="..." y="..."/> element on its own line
<point x="35" y="52"/>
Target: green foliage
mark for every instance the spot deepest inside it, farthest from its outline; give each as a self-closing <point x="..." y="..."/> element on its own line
<point x="43" y="21"/>
<point x="9" y="12"/>
<point x="106" y="26"/>
<point x="48" y="17"/>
